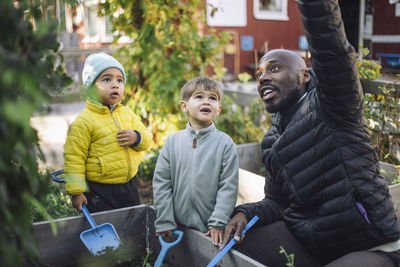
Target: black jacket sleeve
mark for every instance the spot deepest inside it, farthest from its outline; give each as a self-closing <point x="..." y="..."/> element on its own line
<point x="334" y="62"/>
<point x="271" y="207"/>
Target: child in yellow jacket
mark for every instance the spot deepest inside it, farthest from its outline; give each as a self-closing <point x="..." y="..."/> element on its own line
<point x="104" y="144"/>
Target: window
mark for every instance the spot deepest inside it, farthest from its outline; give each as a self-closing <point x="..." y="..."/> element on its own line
<point x="96" y="28"/>
<point x="226" y="13"/>
<point x="107" y="32"/>
<point x="91" y="20"/>
<point x="270" y="9"/>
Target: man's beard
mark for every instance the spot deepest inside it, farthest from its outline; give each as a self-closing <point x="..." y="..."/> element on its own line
<point x="285" y="103"/>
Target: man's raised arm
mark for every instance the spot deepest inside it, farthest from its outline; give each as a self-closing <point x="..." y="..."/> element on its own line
<point x="333" y="60"/>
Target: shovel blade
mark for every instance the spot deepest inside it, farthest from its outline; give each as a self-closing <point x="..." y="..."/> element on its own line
<point x="101" y="239"/>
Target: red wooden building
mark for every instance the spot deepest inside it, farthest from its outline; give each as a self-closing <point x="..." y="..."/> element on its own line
<point x="257" y="26"/>
<point x="385" y="38"/>
<point x="277" y="24"/>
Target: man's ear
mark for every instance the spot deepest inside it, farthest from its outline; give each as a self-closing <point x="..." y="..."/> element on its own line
<point x="182" y="103"/>
<point x="306" y="76"/>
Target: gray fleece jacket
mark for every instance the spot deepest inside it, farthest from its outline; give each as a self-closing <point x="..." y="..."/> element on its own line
<point x="195" y="182"/>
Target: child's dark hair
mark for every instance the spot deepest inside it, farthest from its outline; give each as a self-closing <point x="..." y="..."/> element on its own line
<point x="205" y="83"/>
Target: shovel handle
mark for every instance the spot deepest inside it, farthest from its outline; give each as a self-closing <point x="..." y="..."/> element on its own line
<point x="84" y="209"/>
<point x="88" y="217"/>
<point x="231" y="243"/>
<point x="165" y="246"/>
<point x="55" y="178"/>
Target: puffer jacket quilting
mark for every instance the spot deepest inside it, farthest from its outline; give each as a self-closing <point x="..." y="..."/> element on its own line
<point x="319" y="157"/>
<point x="92" y="150"/>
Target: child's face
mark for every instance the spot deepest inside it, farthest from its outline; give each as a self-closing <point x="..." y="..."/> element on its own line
<point x="110" y="84"/>
<point x="202" y="108"/>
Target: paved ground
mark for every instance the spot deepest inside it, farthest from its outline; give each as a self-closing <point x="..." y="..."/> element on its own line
<point x="52" y="131"/>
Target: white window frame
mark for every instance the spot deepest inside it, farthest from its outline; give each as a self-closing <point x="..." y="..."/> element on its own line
<point x="270" y="15"/>
<point x="106" y="37"/>
<point x="230" y="13"/>
<point x="101" y="33"/>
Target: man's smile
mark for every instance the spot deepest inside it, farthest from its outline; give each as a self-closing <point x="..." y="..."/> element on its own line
<point x="268" y="91"/>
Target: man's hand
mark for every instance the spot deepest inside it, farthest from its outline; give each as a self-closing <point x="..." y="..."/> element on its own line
<point x="77" y="201"/>
<point x="165" y="234"/>
<point x="127" y="137"/>
<point x="234" y="228"/>
<point x="216" y="235"/>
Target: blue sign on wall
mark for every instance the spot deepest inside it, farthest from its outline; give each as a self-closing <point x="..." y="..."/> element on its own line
<point x="246" y="42"/>
<point x="303" y="44"/>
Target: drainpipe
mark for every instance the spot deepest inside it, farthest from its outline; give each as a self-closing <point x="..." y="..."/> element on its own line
<point x="361" y="23"/>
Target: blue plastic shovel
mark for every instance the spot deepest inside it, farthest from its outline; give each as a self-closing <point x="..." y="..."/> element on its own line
<point x="99" y="239"/>
<point x="231" y="243"/>
<point x="165" y="246"/>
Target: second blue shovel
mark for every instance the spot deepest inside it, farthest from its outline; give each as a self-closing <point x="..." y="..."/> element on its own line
<point x="231" y="243"/>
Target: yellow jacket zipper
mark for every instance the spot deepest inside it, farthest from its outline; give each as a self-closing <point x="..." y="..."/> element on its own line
<point x="125" y="148"/>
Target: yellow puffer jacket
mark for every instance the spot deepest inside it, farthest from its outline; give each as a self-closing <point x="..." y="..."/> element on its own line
<point x="92" y="150"/>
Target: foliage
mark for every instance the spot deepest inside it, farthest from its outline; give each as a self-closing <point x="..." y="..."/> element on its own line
<point x="368" y="69"/>
<point x="56" y="202"/>
<point x="169" y="48"/>
<point x="382" y="114"/>
<point x="44" y="10"/>
<point x="244" y="77"/>
<point x="146" y="169"/>
<point x="397" y="180"/>
<point x="243" y="127"/>
<point x="27" y="74"/>
<point x="381" y="111"/>
<point x="289" y="257"/>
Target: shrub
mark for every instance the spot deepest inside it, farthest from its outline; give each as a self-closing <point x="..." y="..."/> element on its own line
<point x="243" y="126"/>
<point x="28" y="72"/>
<point x="382" y="114"/>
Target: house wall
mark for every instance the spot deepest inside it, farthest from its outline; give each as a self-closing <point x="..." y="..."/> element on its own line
<point x="385" y="23"/>
<point x="278" y="34"/>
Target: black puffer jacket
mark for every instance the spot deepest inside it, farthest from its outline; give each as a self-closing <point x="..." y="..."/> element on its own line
<point x="319" y="158"/>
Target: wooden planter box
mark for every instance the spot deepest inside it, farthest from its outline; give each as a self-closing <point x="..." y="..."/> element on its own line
<point x="135" y="227"/>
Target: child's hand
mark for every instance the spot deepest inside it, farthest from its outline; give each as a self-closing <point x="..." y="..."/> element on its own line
<point x="77" y="201"/>
<point x="216" y="235"/>
<point x="126" y="137"/>
<point x="165" y="234"/>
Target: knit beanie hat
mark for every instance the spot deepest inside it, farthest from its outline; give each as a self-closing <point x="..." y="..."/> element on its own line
<point x="95" y="64"/>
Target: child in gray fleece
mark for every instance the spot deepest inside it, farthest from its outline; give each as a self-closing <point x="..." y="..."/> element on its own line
<point x="195" y="182"/>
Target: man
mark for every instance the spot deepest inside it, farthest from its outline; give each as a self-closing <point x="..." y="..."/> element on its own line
<point x="325" y="201"/>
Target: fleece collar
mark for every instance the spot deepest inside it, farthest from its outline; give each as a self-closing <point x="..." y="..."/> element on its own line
<point x="200" y="134"/>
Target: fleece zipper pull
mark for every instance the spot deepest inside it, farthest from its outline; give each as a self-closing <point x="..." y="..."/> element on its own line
<point x="194" y="142"/>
